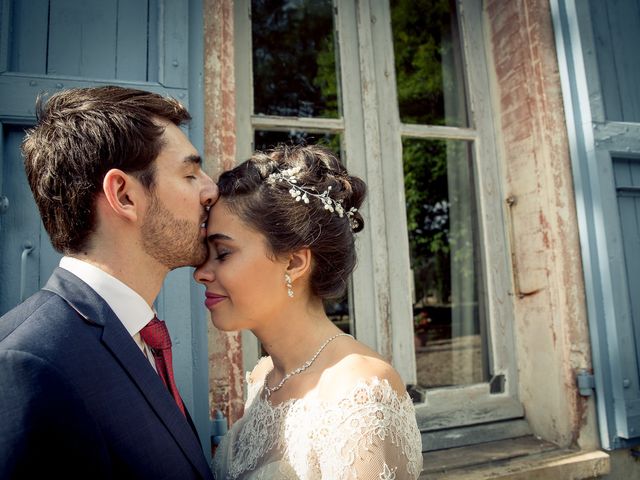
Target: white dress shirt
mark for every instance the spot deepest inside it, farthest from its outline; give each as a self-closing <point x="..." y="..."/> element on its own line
<point x="132" y="310"/>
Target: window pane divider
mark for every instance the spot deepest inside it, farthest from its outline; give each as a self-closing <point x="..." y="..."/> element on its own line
<point x="309" y="124"/>
<point x="438" y="132"/>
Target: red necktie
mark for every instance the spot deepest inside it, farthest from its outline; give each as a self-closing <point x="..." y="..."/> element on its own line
<point x="156" y="336"/>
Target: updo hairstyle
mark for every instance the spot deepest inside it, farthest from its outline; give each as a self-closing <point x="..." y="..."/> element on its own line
<point x="268" y="207"/>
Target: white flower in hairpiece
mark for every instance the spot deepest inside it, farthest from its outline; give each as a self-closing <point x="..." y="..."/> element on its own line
<point x="302" y="193"/>
<point x="352" y="221"/>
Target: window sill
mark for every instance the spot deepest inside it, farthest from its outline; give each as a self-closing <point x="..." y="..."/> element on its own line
<point x="516" y="459"/>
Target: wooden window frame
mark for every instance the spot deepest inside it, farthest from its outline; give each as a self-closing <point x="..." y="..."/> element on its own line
<point x="371" y="133"/>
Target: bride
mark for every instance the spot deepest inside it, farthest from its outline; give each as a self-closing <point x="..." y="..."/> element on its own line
<point x="321" y="405"/>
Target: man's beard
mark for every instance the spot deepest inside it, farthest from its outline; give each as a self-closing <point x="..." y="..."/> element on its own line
<point x="174" y="243"/>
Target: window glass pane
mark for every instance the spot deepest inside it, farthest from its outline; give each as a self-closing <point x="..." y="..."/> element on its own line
<point x="294" y="58"/>
<point x="265" y="140"/>
<point x="338" y="310"/>
<point x="428" y="58"/>
<point x="448" y="306"/>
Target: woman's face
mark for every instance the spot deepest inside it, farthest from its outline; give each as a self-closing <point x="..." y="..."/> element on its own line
<point x="244" y="284"/>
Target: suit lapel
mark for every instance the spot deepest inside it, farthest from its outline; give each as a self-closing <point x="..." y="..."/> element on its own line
<point x="118" y="341"/>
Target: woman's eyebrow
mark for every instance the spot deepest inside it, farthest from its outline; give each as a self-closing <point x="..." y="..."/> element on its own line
<point x="218" y="236"/>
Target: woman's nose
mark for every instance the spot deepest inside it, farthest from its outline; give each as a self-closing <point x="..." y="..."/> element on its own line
<point x="204" y="273"/>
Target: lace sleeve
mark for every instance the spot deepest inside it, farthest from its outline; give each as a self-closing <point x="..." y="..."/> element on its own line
<point x="371" y="434"/>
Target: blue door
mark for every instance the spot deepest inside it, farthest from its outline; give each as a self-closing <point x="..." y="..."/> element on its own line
<point x="49" y="45"/>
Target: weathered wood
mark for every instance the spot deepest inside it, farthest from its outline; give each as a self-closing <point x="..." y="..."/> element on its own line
<point x="447" y="460"/>
<point x="226" y="369"/>
<point x="623" y="27"/>
<point x="244" y="82"/>
<point x="474" y="434"/>
<point x="21" y="223"/>
<point x="437" y="131"/>
<point x="174" y="47"/>
<point x="594" y="143"/>
<point x="371" y="295"/>
<point x="400" y="310"/>
<point x="154" y="48"/>
<point x="132" y="41"/>
<point x="315" y="125"/>
<point x="606" y="60"/>
<point x="525" y="458"/>
<point x="19" y="91"/>
<point x="82" y="38"/>
<point x="465" y="405"/>
<point x="372" y="139"/>
<point x="627" y="174"/>
<point x="6" y="13"/>
<point x="26" y="41"/>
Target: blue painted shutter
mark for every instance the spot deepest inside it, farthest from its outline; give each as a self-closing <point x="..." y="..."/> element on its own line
<point x="596" y="43"/>
<point x="627" y="180"/>
<point x="48" y="45"/>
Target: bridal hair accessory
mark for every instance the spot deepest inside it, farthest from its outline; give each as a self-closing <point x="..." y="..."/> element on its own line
<point x="302" y="193"/>
<point x="287" y="280"/>
<point x="298" y="370"/>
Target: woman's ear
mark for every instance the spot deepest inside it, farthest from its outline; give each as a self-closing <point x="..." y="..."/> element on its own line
<point x="299" y="263"/>
<point x="122" y="193"/>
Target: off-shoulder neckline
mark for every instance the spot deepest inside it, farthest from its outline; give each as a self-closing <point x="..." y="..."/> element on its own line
<point x="367" y="383"/>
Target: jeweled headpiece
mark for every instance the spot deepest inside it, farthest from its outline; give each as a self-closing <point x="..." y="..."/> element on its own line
<point x="302" y="193"/>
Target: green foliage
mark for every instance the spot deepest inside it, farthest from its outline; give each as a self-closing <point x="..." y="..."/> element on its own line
<point x="294" y="63"/>
<point x="418" y="57"/>
<point x="426" y="194"/>
<point x="291" y="60"/>
<point x="326" y="79"/>
<point x="425" y="61"/>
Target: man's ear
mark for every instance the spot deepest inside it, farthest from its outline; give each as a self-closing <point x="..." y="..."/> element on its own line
<point x="123" y="193"/>
<point x="299" y="263"/>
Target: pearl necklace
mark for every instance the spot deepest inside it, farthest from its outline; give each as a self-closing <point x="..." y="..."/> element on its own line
<point x="298" y="370"/>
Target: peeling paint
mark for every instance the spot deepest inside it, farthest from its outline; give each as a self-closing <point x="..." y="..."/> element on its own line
<point x="551" y="328"/>
<point x="226" y="377"/>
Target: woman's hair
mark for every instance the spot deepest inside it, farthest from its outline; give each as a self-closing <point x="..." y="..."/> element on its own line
<point x="301" y="197"/>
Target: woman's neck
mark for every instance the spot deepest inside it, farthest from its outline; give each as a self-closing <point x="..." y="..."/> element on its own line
<point x="296" y="338"/>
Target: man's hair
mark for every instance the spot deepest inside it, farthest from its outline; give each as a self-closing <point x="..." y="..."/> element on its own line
<point x="79" y="136"/>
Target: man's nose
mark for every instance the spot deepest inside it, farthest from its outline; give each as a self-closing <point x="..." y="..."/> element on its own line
<point x="210" y="192"/>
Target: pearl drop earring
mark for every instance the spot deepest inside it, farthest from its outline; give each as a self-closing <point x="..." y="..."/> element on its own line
<point x="287" y="280"/>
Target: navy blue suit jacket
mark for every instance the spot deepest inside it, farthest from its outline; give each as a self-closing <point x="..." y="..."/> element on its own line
<point x="79" y="398"/>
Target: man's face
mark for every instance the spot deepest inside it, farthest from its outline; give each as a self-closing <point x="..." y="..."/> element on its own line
<point x="174" y="230"/>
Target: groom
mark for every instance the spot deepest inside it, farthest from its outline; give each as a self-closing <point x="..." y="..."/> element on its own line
<point x="85" y="389"/>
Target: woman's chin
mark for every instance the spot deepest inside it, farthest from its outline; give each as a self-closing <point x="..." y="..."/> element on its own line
<point x="221" y="325"/>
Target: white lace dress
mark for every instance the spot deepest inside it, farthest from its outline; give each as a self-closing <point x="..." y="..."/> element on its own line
<point x="371" y="433"/>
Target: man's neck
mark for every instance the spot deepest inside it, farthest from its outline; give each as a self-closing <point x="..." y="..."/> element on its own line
<point x="144" y="277"/>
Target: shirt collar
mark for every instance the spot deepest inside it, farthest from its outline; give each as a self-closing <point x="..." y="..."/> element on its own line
<point x="132" y="310"/>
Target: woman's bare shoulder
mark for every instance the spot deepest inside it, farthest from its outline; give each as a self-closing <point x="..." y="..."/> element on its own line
<point x="359" y="363"/>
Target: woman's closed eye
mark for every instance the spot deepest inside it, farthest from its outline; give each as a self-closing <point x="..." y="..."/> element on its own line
<point x="221" y="254"/>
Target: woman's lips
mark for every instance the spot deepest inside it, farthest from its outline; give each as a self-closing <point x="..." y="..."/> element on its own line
<point x="213" y="299"/>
